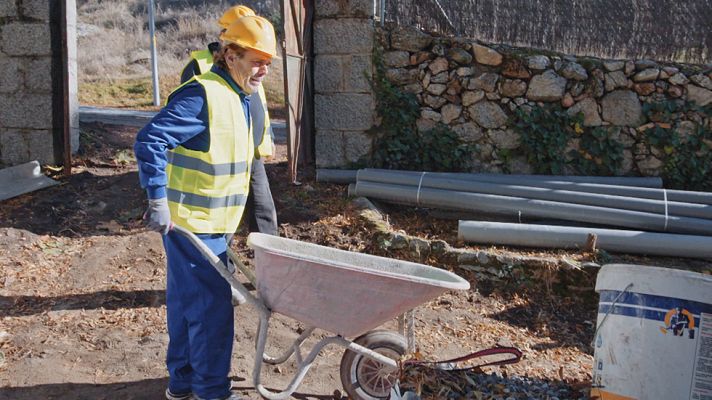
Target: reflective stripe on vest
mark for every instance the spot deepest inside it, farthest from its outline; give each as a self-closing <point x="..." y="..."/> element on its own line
<point x="207" y="190"/>
<point x="260" y="118"/>
<point x="204" y="59"/>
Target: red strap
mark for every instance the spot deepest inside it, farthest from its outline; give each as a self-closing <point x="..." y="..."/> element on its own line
<point x="516" y="356"/>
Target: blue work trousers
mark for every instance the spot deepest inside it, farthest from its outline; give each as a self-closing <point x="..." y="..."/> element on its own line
<point x="200" y="318"/>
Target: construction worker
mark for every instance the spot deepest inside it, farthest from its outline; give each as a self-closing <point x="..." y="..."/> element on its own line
<point x="194" y="160"/>
<point x="261" y="212"/>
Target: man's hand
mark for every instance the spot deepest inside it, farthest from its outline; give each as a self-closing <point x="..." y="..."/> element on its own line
<point x="158" y="216"/>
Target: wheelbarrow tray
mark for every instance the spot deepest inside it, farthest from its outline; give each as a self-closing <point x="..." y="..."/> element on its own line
<point x="340" y="291"/>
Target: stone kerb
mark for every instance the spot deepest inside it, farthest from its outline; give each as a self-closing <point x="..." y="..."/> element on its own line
<point x="343" y="101"/>
<point x="475" y="89"/>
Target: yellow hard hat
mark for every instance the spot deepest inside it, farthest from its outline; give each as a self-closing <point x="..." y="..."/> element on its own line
<point x="252" y="32"/>
<point x="232" y="14"/>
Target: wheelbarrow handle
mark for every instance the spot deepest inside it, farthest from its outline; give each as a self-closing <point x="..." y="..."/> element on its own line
<point x="221" y="268"/>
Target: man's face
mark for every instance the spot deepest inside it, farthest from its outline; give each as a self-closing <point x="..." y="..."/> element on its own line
<point x="249" y="69"/>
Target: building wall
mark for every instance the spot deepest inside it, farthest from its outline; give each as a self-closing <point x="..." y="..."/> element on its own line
<point x="31" y="123"/>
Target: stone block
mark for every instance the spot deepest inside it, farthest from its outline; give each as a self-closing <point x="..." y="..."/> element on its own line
<point x="344" y="111"/>
<point x="548" y="86"/>
<point x="329" y="149"/>
<point x="26" y="111"/>
<point x="343" y="36"/>
<point x="354" y="8"/>
<point x="25" y="39"/>
<point x="488" y="114"/>
<point x="36" y="9"/>
<point x="13" y="147"/>
<point x="623" y="108"/>
<point x="8" y="9"/>
<point x="357" y="144"/>
<point x="328" y="73"/>
<point x="11" y="76"/>
<point x="39" y="144"/>
<point x="41" y="79"/>
<point x="410" y="39"/>
<point x="396" y="59"/>
<point x="357" y="74"/>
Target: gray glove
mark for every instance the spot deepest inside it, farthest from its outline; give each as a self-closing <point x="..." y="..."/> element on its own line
<point x="158" y="216"/>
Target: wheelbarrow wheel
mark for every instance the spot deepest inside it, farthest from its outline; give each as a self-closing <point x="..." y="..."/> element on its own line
<point x="366" y="379"/>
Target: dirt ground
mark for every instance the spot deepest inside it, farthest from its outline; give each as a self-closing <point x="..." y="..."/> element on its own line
<point x="82" y="302"/>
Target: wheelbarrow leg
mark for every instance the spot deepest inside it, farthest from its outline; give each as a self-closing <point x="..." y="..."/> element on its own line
<point x="406" y="327"/>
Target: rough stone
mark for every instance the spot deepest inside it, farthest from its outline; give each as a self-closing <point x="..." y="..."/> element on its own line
<point x="8" y="9"/>
<point x="629" y="68"/>
<point x="644" y="89"/>
<point x="35" y="9"/>
<point x="436" y="89"/>
<point x="402" y="76"/>
<point x="450" y="112"/>
<point x="702" y="80"/>
<point x="622" y="107"/>
<point x="26" y="111"/>
<point x="468" y="132"/>
<point x="439" y="49"/>
<point x="471" y="97"/>
<point x="329" y="69"/>
<point x="396" y="59"/>
<point x="649" y="166"/>
<point x="355" y="8"/>
<point x="434" y="101"/>
<point x="645" y="64"/>
<point x="678" y="79"/>
<point x="577" y="88"/>
<point x="356" y="145"/>
<point x="439" y="78"/>
<point x="589" y="108"/>
<point x="615" y="80"/>
<point x="465" y="71"/>
<point x="574" y="71"/>
<point x="344" y="111"/>
<point x="40" y="82"/>
<point x="410" y="39"/>
<point x="486" y="82"/>
<point x="420" y="57"/>
<point x="11" y="76"/>
<point x="567" y="101"/>
<point x="439" y="65"/>
<point x="513" y="88"/>
<point x="329" y="148"/>
<point x="504" y="139"/>
<point x="14" y="148"/>
<point x="686" y="128"/>
<point x="698" y="95"/>
<point x="647" y="75"/>
<point x="488" y="114"/>
<point x="460" y="56"/>
<point x="486" y="56"/>
<point x="429" y="113"/>
<point x="548" y="86"/>
<point x="538" y="62"/>
<point x="25" y="39"/>
<point x="515" y="68"/>
<point x="454" y="87"/>
<point x="613" y="65"/>
<point x="358" y="73"/>
<point x="424" y="125"/>
<point x="675" y="91"/>
<point x="39" y="146"/>
<point x="671" y="70"/>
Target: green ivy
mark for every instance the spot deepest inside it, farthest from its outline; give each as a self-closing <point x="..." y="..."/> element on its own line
<point x="599" y="154"/>
<point x="544" y="134"/>
<point x="399" y="144"/>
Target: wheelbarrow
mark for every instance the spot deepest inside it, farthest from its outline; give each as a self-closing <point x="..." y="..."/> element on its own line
<point x="345" y="293"/>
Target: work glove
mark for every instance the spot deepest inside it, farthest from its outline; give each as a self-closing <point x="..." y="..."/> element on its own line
<point x="158" y="215"/>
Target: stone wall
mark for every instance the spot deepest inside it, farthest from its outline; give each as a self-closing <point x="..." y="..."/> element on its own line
<point x="343" y="100"/>
<point x="474" y="89"/>
<point x="30" y="85"/>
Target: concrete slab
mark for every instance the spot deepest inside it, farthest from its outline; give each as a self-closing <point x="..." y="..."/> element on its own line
<point x="23" y="178"/>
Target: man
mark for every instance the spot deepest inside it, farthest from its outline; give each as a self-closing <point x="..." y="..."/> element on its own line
<point x="194" y="160"/>
<point x="261" y="212"/>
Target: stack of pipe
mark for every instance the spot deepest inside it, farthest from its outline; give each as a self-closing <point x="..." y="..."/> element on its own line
<point x="639" y="204"/>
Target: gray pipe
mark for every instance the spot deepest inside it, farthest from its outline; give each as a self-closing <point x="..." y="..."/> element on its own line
<point x="521" y="207"/>
<point x="682" y="196"/>
<point x="528" y="180"/>
<point x="342" y="176"/>
<point x="533" y="192"/>
<point x="565" y="237"/>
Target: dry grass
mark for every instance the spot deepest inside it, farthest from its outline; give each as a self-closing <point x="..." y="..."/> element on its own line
<point x="114" y="59"/>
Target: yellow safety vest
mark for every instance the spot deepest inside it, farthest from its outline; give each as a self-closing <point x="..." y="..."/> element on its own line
<point x="263" y="139"/>
<point x="207" y="190"/>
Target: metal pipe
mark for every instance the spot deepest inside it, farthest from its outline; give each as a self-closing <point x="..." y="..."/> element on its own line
<point x="682" y="196"/>
<point x="342" y="176"/>
<point x="522" y="207"/>
<point x="565" y="237"/>
<point x="659" y="206"/>
<point x="527" y="180"/>
<point x="154" y="57"/>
